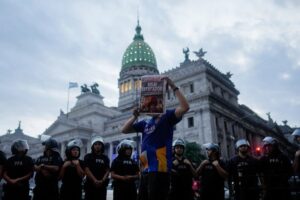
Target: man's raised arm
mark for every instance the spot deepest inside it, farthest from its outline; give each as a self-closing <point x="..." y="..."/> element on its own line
<point x="183" y="104"/>
<point x="127" y="127"/>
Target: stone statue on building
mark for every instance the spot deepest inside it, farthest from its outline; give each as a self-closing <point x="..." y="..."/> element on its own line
<point x="200" y="54"/>
<point x="186" y="54"/>
<point x="270" y="120"/>
<point x="228" y="74"/>
<point x="84" y="88"/>
<point x="94" y="88"/>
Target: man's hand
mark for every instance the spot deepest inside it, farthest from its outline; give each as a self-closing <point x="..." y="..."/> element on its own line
<point x="136" y="112"/>
<point x="75" y="162"/>
<point x="98" y="183"/>
<point x="297" y="154"/>
<point x="67" y="163"/>
<point x="169" y="82"/>
<point x="215" y="163"/>
<point x="204" y="162"/>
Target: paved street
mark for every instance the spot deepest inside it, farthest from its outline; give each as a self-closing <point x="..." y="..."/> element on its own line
<point x="109" y="194"/>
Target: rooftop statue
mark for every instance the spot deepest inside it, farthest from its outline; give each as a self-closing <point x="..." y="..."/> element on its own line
<point x="228" y="74"/>
<point x="94" y="88"/>
<point x="269" y="117"/>
<point x="285" y="122"/>
<point x="200" y="54"/>
<point x="186" y="54"/>
<point x="84" y="88"/>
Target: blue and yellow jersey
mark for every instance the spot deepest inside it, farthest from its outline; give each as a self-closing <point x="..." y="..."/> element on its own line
<point x="157" y="142"/>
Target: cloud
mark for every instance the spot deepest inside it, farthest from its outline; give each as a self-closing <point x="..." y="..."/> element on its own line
<point x="46" y="44"/>
<point x="285" y="76"/>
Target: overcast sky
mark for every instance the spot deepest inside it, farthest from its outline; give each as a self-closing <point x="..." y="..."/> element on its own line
<point x="45" y="44"/>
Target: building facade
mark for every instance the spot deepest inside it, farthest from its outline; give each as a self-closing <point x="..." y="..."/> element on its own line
<point x="214" y="116"/>
<point x="6" y="140"/>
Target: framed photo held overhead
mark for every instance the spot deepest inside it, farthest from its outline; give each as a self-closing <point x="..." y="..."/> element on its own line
<point x="152" y="95"/>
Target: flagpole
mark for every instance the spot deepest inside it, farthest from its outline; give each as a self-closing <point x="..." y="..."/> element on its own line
<point x="137" y="133"/>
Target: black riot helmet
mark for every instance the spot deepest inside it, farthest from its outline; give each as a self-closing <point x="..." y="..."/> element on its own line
<point x="178" y="142"/>
<point x="123" y="145"/>
<point x="51" y="144"/>
<point x="76" y="143"/>
<point x="97" y="139"/>
<point x="19" y="146"/>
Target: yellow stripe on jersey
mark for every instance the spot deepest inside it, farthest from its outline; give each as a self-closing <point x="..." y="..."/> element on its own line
<point x="144" y="160"/>
<point x="161" y="155"/>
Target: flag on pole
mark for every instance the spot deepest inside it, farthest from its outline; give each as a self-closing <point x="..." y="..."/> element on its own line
<point x="73" y="85"/>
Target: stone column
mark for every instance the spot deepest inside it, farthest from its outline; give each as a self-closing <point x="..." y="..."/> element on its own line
<point x="62" y="149"/>
<point x="110" y="151"/>
<point x="83" y="149"/>
<point x="223" y="142"/>
<point x="88" y="146"/>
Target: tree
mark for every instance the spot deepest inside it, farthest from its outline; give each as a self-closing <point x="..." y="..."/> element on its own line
<point x="194" y="153"/>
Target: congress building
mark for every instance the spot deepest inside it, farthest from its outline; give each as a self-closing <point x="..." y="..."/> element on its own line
<point x="215" y="114"/>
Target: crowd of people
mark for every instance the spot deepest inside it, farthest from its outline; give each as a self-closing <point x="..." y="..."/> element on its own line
<point x="163" y="172"/>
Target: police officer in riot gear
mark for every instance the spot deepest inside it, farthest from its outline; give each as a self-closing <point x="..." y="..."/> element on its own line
<point x="182" y="174"/>
<point x="97" y="171"/>
<point x="17" y="172"/>
<point x="2" y="163"/>
<point x="47" y="169"/>
<point x="296" y="164"/>
<point x="276" y="171"/>
<point x="72" y="172"/>
<point x="124" y="172"/>
<point x="243" y="172"/>
<point x="212" y="174"/>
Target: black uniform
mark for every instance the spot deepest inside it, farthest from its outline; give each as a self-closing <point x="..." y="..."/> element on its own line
<point x="297" y="173"/>
<point x="71" y="188"/>
<point x="143" y="186"/>
<point x="46" y="181"/>
<point x="244" y="174"/>
<point x="276" y="170"/>
<point x="16" y="167"/>
<point x="2" y="163"/>
<point x="181" y="181"/>
<point x="2" y="160"/>
<point x="98" y="165"/>
<point x="124" y="190"/>
<point x="212" y="184"/>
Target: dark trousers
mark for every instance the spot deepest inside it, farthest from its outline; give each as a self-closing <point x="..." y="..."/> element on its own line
<point x="277" y="194"/>
<point x="143" y="188"/>
<point x="93" y="193"/>
<point x="16" y="192"/>
<point x="49" y="192"/>
<point x="246" y="194"/>
<point x="70" y="193"/>
<point x="158" y="185"/>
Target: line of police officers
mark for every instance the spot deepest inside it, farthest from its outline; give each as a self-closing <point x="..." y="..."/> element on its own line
<point x="243" y="171"/>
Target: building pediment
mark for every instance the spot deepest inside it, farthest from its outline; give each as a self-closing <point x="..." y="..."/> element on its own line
<point x="59" y="127"/>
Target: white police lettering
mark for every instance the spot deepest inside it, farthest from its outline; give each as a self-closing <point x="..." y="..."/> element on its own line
<point x="182" y="167"/>
<point x="242" y="164"/>
<point x="99" y="161"/>
<point x="18" y="163"/>
<point x="149" y="129"/>
<point x="274" y="160"/>
<point x="45" y="160"/>
<point x="127" y="162"/>
<point x="209" y="167"/>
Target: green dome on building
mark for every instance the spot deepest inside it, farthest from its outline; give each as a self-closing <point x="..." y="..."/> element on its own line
<point x="138" y="53"/>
